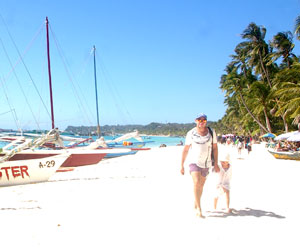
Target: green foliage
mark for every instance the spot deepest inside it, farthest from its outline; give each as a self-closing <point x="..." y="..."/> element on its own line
<point x="261" y="84"/>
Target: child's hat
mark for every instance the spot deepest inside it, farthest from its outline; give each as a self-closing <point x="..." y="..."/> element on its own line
<point x="224" y="156"/>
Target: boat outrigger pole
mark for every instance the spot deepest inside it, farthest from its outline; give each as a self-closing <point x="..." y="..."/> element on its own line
<point x="95" y="75"/>
<point x="49" y="73"/>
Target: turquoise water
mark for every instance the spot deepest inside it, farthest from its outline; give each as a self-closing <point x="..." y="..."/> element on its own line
<point x="154" y="141"/>
<point x="159" y="140"/>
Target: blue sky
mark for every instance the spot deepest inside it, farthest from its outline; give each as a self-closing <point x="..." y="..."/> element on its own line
<point x="157" y="61"/>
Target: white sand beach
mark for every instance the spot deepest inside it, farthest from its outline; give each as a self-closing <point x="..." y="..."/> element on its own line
<point x="142" y="200"/>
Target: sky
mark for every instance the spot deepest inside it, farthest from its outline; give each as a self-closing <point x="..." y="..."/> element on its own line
<point x="156" y="61"/>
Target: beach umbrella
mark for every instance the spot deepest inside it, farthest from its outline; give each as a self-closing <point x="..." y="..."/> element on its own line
<point x="268" y="135"/>
<point x="285" y="136"/>
<point x="295" y="137"/>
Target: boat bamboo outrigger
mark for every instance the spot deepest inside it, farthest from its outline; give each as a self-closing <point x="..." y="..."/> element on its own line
<point x="291" y="155"/>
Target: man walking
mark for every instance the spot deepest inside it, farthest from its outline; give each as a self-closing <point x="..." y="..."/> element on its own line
<point x="200" y="144"/>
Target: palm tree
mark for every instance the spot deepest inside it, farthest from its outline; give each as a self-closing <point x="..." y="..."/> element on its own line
<point x="261" y="54"/>
<point x="259" y="50"/>
<point x="283" y="43"/>
<point x="231" y="120"/>
<point x="291" y="94"/>
<point x="233" y="84"/>
<point x="255" y="83"/>
<point x="241" y="56"/>
<point x="288" y="91"/>
<point x="258" y="95"/>
<point x="297" y="27"/>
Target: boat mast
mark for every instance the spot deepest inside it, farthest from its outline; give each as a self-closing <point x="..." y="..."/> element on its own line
<point x="49" y="73"/>
<point x="95" y="75"/>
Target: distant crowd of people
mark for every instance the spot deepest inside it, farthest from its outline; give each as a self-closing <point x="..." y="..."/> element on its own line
<point x="239" y="142"/>
<point x="285" y="146"/>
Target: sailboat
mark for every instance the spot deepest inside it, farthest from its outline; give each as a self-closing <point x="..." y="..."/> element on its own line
<point x="76" y="156"/>
<point x="120" y="142"/>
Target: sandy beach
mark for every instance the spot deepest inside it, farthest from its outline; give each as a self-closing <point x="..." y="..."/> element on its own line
<point x="142" y="200"/>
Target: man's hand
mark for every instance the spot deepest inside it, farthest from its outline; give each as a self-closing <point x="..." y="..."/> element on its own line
<point x="182" y="170"/>
<point x="217" y="169"/>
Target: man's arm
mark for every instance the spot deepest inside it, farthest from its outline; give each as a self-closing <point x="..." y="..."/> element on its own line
<point x="215" y="151"/>
<point x="184" y="155"/>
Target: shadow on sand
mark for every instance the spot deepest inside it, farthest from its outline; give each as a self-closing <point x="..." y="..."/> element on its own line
<point x="244" y="212"/>
<point x="20" y="208"/>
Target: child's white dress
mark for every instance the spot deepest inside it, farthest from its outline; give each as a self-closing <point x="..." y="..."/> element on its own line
<point x="224" y="177"/>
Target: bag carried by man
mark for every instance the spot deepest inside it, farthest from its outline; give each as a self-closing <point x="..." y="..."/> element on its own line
<point x="212" y="149"/>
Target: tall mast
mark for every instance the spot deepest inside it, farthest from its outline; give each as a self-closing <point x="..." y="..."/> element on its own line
<point x="49" y="73"/>
<point x="95" y="75"/>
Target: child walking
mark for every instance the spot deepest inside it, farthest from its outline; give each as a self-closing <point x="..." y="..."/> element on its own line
<point x="224" y="179"/>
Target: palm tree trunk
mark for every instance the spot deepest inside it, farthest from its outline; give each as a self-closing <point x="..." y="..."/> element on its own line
<point x="283" y="117"/>
<point x="286" y="58"/>
<point x="251" y="114"/>
<point x="286" y="127"/>
<point x="267" y="120"/>
<point x="264" y="69"/>
<point x="245" y="74"/>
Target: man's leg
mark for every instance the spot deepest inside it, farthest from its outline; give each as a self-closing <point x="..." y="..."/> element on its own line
<point x="199" y="181"/>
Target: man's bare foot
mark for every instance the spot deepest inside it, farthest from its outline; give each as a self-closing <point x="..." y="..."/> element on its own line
<point x="199" y="213"/>
<point x="228" y="210"/>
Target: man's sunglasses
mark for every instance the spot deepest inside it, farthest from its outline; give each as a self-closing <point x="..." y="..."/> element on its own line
<point x="201" y="120"/>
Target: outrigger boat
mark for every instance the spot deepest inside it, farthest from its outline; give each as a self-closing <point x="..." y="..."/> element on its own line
<point x="29" y="171"/>
<point x="24" y="149"/>
<point x="116" y="148"/>
<point x="293" y="136"/>
<point x="285" y="154"/>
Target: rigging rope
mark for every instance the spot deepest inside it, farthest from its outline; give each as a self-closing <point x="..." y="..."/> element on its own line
<point x="19" y="83"/>
<point x="85" y="64"/>
<point x="11" y="108"/>
<point x="88" y="59"/>
<point x="81" y="106"/>
<point x="25" y="51"/>
<point x="21" y="59"/>
<point x="117" y="97"/>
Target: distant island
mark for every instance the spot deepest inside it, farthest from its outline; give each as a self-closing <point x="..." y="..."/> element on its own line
<point x="154" y="128"/>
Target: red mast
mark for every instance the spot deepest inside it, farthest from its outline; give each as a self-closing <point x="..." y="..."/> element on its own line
<point x="49" y="73"/>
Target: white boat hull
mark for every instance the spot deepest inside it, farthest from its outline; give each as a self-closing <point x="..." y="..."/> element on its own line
<point x="29" y="171"/>
<point x="77" y="156"/>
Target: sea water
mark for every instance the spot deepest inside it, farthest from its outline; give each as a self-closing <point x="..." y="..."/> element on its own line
<point x="157" y="141"/>
<point x="154" y="141"/>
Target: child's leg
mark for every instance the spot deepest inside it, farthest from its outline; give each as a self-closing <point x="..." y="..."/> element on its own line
<point x="216" y="202"/>
<point x="219" y="192"/>
<point x="227" y="193"/>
